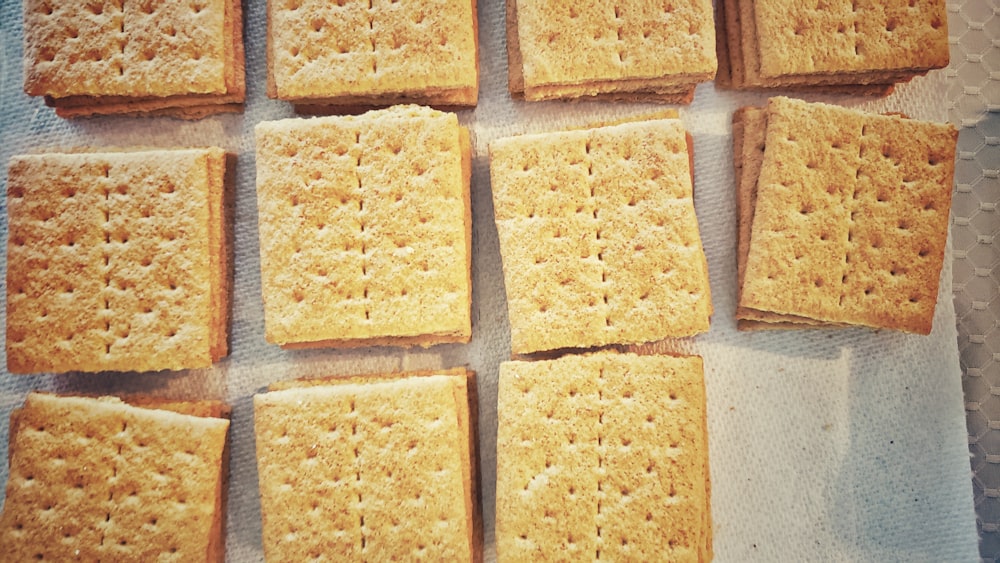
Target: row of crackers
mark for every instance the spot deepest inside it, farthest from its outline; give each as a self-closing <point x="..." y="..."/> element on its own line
<point x="120" y="261"/>
<point x="187" y="59"/>
<point x="603" y="455"/>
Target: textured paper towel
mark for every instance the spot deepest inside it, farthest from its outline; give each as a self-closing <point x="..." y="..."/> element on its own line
<point x="824" y="445"/>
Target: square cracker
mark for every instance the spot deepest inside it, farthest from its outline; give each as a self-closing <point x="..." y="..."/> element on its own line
<point x="184" y="106"/>
<point x="97" y="479"/>
<point x="849" y="36"/>
<point x="365" y="229"/>
<point x="668" y="89"/>
<point x="851" y="216"/>
<point x="133" y="48"/>
<point x="116" y="261"/>
<point x="463" y="384"/>
<point x="365" y="470"/>
<point x="749" y="129"/>
<point x="836" y="46"/>
<point x="603" y="456"/>
<point x="732" y="75"/>
<point x="385" y="49"/>
<point x="612" y="91"/>
<point x="568" y="44"/>
<point x="598" y="236"/>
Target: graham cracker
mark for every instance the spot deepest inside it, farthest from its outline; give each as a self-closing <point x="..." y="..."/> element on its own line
<point x="603" y="456"/>
<point x="632" y="91"/>
<point x="392" y="51"/>
<point x="749" y="129"/>
<point x="567" y="49"/>
<point x="152" y="58"/>
<point x="839" y="47"/>
<point x="851" y="216"/>
<point x="751" y="43"/>
<point x="184" y="106"/>
<point x="98" y="479"/>
<point x="375" y="470"/>
<point x="731" y="74"/>
<point x="365" y="229"/>
<point x="850" y="36"/>
<point x="464" y="389"/>
<point x="598" y="236"/>
<point x="116" y="261"/>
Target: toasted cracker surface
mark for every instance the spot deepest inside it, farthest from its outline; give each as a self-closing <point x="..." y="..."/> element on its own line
<point x="572" y="43"/>
<point x="851" y="216"/>
<point x="183" y="106"/>
<point x="111" y="263"/>
<point x="364" y="471"/>
<point x="603" y="456"/>
<point x="845" y="36"/>
<point x="319" y="49"/>
<point x="838" y="47"/>
<point x="749" y="130"/>
<point x="364" y="224"/>
<point x="132" y="49"/>
<point x="463" y="383"/>
<point x="94" y="478"/>
<point x="614" y="253"/>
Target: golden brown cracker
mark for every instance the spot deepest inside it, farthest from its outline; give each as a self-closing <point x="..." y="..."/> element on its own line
<point x="111" y="261"/>
<point x="614" y="253"/>
<point x="851" y="37"/>
<point x="463" y="383"/>
<point x="571" y="43"/>
<point x="318" y="49"/>
<point x="94" y="478"/>
<point x="603" y="456"/>
<point x="371" y="470"/>
<point x="141" y="59"/>
<point x="854" y="217"/>
<point x="365" y="230"/>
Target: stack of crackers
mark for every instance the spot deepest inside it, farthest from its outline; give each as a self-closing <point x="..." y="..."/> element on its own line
<point x="843" y="216"/>
<point x="373" y="468"/>
<point x="365" y="229"/>
<point x="117" y="261"/>
<point x="323" y="55"/>
<point x="628" y="50"/>
<point x="598" y="236"/>
<point x="182" y="59"/>
<point x="603" y="457"/>
<point x="97" y="479"/>
<point x="831" y="47"/>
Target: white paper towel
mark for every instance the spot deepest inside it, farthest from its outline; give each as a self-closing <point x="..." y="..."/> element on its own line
<point x="825" y="445"/>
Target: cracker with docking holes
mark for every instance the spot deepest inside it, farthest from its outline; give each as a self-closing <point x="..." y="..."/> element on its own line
<point x="634" y="49"/>
<point x="374" y="469"/>
<point x="96" y="478"/>
<point x="358" y="53"/>
<point x="732" y="75"/>
<point x="598" y="236"/>
<point x="365" y="229"/>
<point x="749" y="127"/>
<point x="792" y="39"/>
<point x="850" y="219"/>
<point x="463" y="382"/>
<point x="603" y="456"/>
<point x="152" y="58"/>
<point x="117" y="261"/>
<point x="840" y="47"/>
